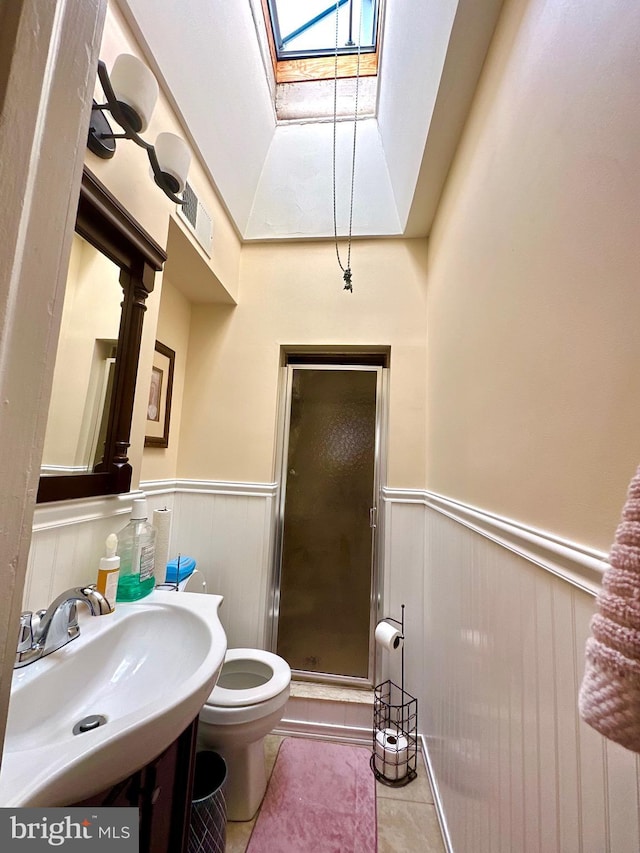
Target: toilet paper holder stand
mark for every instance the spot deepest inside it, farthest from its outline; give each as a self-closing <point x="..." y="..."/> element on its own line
<point x="395" y="711"/>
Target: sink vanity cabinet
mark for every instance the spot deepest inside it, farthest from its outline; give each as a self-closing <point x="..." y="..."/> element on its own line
<point x="161" y="791"/>
<point x="107" y="712"/>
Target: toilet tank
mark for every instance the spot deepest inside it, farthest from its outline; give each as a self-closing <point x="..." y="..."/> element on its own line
<point x="194" y="583"/>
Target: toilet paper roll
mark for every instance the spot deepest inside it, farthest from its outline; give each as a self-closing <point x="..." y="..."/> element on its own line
<point x="387" y="636"/>
<point x="162" y="523"/>
<point x="391" y="754"/>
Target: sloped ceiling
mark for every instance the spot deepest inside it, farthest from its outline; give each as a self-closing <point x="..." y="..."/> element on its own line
<point x="276" y="179"/>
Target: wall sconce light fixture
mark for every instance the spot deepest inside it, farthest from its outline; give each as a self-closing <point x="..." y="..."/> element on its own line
<point x="131" y="93"/>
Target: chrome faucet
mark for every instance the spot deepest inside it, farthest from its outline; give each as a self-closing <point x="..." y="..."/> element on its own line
<point x="45" y="631"/>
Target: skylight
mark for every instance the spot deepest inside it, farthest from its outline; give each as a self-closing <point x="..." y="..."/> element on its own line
<point x="301" y="38"/>
<point x="307" y="28"/>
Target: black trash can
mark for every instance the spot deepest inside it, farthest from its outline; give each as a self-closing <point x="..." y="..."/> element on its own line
<point x="208" y="830"/>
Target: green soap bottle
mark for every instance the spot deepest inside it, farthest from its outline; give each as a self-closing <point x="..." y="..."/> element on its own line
<point x="136" y="549"/>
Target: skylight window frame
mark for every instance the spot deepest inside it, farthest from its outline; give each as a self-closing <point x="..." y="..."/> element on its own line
<point x="320" y="64"/>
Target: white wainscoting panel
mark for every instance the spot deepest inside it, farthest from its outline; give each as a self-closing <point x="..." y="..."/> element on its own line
<point x="404" y="556"/>
<point x="226" y="528"/>
<point x="505" y="618"/>
<point x="67" y="542"/>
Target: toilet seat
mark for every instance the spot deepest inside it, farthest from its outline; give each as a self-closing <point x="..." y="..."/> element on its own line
<point x="217" y="715"/>
<point x="251" y="665"/>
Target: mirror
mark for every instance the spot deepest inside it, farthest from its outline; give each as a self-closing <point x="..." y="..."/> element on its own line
<point x="111" y="272"/>
<point x="85" y="363"/>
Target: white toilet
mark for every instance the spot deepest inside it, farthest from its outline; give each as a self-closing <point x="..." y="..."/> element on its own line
<point x="245" y="705"/>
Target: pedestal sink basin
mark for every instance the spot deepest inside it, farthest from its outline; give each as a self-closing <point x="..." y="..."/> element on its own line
<point x="128" y="685"/>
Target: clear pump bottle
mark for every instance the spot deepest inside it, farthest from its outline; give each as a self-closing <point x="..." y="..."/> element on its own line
<point x="136" y="548"/>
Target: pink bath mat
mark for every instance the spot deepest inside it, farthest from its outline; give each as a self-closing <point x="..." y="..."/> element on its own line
<point x="321" y="799"/>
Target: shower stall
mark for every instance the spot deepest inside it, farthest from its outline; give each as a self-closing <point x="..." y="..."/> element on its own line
<point x="325" y="591"/>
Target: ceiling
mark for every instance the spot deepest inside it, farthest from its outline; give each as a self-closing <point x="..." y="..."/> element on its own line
<point x="275" y="179"/>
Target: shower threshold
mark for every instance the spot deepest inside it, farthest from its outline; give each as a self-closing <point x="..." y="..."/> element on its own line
<point x="329" y="712"/>
<point x="331" y="692"/>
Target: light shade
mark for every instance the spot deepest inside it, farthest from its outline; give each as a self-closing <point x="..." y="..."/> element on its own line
<point x="136" y="88"/>
<point x="174" y="157"/>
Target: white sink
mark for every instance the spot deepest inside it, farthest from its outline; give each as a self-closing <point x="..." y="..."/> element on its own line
<point x="147" y="668"/>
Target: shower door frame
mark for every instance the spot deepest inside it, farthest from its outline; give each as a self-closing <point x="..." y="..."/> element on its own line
<point x="379" y="472"/>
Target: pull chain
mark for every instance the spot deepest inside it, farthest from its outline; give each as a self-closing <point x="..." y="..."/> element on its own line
<point x="345" y="270"/>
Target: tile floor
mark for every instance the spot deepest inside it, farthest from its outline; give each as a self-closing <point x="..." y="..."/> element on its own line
<point x="407" y="818"/>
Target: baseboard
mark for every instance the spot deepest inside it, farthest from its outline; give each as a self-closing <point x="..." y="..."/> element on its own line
<point x="437" y="800"/>
<point x="355" y="735"/>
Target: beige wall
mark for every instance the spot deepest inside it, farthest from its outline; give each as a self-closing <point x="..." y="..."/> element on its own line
<point x="173" y="331"/>
<point x="293" y="294"/>
<point x="127" y="176"/>
<point x="533" y="298"/>
<point x="91" y="314"/>
<point x="127" y="173"/>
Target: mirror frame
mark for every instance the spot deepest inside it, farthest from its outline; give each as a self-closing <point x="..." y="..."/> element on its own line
<point x="105" y="223"/>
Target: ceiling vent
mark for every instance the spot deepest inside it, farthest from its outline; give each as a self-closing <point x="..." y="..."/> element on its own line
<point x="197" y="218"/>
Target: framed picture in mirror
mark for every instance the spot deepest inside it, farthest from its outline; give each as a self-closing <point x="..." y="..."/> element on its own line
<point x="159" y="404"/>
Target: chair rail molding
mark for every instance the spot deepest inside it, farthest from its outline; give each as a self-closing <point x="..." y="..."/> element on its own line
<point x="83" y="510"/>
<point x="575" y="563"/>
<point x="212" y="487"/>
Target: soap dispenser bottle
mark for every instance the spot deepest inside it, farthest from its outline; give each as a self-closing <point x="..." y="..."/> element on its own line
<point x="136" y="547"/>
<point x="109" y="571"/>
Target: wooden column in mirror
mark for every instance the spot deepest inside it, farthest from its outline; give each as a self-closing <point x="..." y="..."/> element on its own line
<point x="103" y="222"/>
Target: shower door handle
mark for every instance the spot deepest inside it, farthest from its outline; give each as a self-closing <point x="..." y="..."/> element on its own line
<point x="373" y="517"/>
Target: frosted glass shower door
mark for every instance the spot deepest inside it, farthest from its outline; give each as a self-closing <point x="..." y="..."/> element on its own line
<point x="324" y="621"/>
